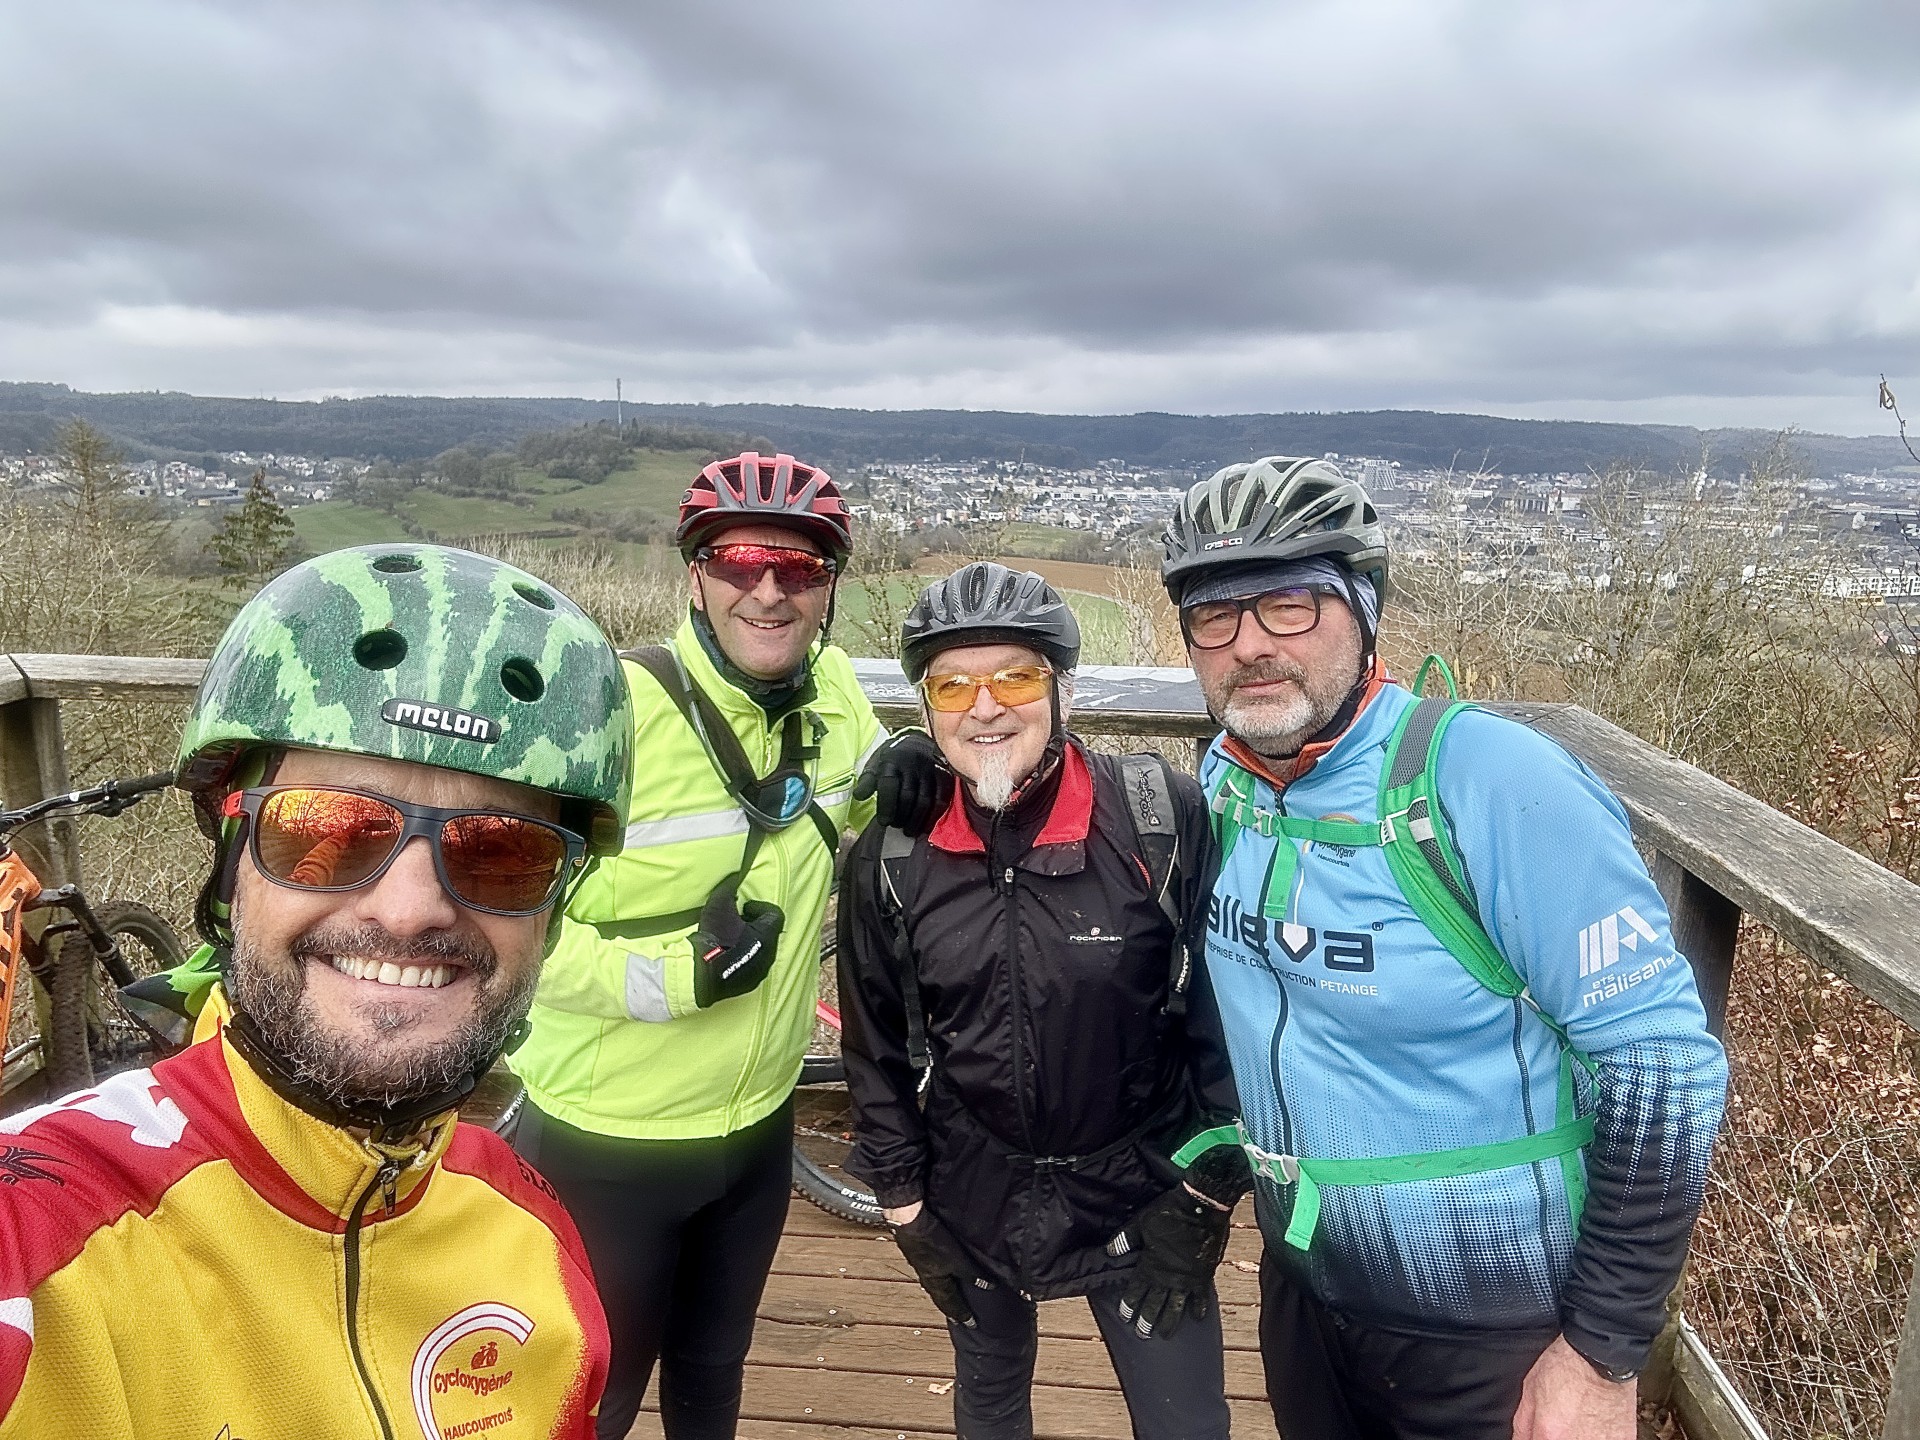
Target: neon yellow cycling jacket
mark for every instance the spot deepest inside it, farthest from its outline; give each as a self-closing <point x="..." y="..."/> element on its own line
<point x="618" y="1046"/>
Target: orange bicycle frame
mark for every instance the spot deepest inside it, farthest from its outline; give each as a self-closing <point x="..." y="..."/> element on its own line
<point x="19" y="888"/>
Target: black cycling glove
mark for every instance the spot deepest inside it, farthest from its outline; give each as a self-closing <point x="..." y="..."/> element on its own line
<point x="1221" y="1174"/>
<point x="1180" y="1240"/>
<point x="909" y="782"/>
<point x="943" y="1268"/>
<point x="734" y="947"/>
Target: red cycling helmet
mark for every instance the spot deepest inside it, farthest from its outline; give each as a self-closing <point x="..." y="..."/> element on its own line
<point x="777" y="490"/>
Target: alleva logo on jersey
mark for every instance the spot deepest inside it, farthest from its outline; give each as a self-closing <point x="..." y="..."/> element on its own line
<point x="1601" y="942"/>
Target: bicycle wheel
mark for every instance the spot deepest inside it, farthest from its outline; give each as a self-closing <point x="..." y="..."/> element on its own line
<point x="91" y="1035"/>
<point x="823" y="1112"/>
<point x="822" y="1139"/>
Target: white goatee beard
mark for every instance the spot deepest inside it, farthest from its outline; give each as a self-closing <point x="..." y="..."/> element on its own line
<point x="994" y="788"/>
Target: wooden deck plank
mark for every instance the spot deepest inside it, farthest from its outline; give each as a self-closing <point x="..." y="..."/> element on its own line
<point x="806" y="1219"/>
<point x="648" y="1428"/>
<point x="799" y="1301"/>
<point x="831" y="1398"/>
<point x="879" y="1348"/>
<point x="814" y="1259"/>
<point x="848" y="1346"/>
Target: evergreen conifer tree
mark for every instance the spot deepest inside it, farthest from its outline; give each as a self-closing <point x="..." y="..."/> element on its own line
<point x="256" y="540"/>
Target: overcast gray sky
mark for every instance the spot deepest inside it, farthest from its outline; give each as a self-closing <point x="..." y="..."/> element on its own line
<point x="1640" y="209"/>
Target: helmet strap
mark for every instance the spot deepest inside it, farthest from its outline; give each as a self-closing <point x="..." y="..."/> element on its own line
<point x="213" y="908"/>
<point x="1369" y="639"/>
<point x="1056" y="742"/>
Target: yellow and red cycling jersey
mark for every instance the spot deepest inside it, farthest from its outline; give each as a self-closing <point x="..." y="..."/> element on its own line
<point x="184" y="1255"/>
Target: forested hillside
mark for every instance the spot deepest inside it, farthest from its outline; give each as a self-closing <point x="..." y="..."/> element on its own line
<point x="395" y="427"/>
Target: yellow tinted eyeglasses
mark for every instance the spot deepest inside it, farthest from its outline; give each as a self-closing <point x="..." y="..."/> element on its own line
<point x="1015" y="685"/>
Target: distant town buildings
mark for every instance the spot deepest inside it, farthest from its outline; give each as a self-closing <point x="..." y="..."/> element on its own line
<point x="295" y="479"/>
<point x="1858" y="534"/>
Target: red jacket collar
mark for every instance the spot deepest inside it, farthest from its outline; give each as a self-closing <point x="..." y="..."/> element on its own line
<point x="1068" y="821"/>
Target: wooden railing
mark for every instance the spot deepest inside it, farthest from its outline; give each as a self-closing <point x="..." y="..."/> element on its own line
<point x="1717" y="855"/>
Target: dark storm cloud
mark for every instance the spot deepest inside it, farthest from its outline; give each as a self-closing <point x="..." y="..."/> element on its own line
<point x="1071" y="205"/>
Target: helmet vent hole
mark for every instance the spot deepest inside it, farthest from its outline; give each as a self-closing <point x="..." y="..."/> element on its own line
<point x="396" y="565"/>
<point x="533" y="595"/>
<point x="522" y="680"/>
<point x="380" y="649"/>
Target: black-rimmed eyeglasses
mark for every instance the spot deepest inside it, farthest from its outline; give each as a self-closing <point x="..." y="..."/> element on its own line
<point x="1213" y="624"/>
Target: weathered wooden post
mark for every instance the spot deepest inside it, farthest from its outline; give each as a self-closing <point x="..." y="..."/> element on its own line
<point x="33" y="765"/>
<point x="1903" y="1401"/>
<point x="1706" y="928"/>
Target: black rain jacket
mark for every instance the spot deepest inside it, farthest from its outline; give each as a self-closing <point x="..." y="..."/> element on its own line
<point x="1061" y="1085"/>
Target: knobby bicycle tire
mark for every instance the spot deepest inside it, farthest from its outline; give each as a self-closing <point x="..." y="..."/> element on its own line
<point x="823" y="1079"/>
<point x="90" y="1035"/>
<point x="822" y="1124"/>
<point x="837" y="1196"/>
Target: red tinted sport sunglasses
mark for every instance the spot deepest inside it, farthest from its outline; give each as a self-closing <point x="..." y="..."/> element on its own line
<point x="318" y="837"/>
<point x="741" y="566"/>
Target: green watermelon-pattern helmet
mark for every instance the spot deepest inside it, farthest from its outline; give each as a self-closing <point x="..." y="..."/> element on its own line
<point x="426" y="654"/>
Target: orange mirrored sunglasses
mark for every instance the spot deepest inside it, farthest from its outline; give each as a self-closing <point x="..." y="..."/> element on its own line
<point x="1015" y="685"/>
<point x="314" y="837"/>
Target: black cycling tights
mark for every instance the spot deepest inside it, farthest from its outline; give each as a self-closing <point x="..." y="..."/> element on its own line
<point x="681" y="1234"/>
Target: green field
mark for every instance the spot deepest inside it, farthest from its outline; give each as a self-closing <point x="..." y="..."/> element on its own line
<point x="1103" y="626"/>
<point x="649" y="487"/>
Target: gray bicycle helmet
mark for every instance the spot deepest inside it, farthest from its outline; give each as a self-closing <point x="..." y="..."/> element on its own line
<point x="983" y="602"/>
<point x="1277" y="508"/>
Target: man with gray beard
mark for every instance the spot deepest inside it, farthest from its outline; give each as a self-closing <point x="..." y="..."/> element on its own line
<point x="1033" y="949"/>
<point x="1479" y="1092"/>
<point x="400" y="796"/>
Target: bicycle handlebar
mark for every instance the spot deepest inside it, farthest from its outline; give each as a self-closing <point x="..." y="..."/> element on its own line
<point x="110" y="797"/>
<point x="145" y="785"/>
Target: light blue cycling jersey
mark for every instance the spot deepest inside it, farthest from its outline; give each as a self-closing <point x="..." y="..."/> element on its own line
<point x="1355" y="1034"/>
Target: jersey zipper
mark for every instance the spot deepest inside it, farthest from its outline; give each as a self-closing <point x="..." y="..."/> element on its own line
<point x="1285" y="1004"/>
<point x="382" y="1181"/>
<point x="1016" y="1016"/>
<point x="1019" y="1009"/>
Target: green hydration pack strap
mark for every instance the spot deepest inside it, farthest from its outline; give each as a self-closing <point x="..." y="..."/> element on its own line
<point x="1427" y="667"/>
<point x="1413" y="833"/>
<point x="1310" y="1174"/>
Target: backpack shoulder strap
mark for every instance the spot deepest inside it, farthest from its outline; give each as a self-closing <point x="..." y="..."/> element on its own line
<point x="1147" y="781"/>
<point x="1149" y="791"/>
<point x="896" y="853"/>
<point x="716" y="736"/>
<point x="1420" y="851"/>
<point x="723" y="747"/>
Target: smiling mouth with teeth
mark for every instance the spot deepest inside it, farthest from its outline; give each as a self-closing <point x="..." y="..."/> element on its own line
<point x="385" y="972"/>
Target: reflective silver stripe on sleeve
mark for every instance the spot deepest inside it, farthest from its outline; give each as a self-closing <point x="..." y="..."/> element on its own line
<point x="878" y="741"/>
<point x="644" y="834"/>
<point x="647" y="987"/>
